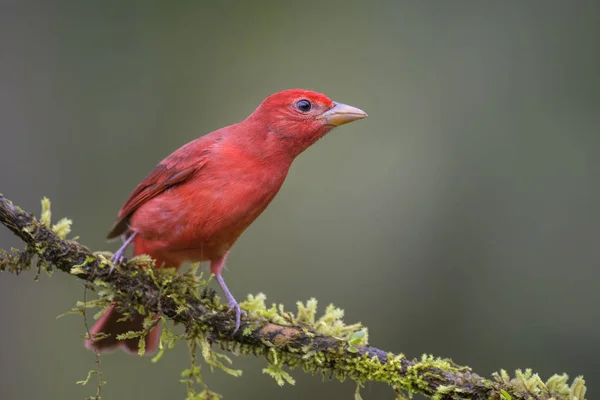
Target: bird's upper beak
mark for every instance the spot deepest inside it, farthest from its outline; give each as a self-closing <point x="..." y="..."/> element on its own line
<point x="341" y="114"/>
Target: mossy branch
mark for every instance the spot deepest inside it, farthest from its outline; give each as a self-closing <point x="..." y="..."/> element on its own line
<point x="284" y="339"/>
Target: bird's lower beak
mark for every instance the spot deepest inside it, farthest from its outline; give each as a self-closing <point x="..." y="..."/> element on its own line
<point x="341" y="114"/>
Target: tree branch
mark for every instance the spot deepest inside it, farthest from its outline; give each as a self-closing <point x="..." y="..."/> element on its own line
<point x="291" y="343"/>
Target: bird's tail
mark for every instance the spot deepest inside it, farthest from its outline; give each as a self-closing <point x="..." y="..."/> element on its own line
<point x="113" y="323"/>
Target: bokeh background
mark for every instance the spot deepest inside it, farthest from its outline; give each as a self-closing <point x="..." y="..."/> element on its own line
<point x="460" y="219"/>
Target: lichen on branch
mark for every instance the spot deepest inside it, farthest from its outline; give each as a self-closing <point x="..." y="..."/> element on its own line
<point x="285" y="339"/>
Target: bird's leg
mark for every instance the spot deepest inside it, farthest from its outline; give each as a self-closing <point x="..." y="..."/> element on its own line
<point x="216" y="268"/>
<point x="119" y="255"/>
<point x="233" y="304"/>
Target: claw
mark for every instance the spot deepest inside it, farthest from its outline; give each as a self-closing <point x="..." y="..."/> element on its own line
<point x="232" y="303"/>
<point x="118" y="257"/>
<point x="238" y="313"/>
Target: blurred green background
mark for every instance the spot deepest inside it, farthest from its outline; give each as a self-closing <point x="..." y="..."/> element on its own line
<point x="460" y="219"/>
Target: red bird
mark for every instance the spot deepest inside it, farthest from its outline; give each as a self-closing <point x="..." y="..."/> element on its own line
<point x="198" y="201"/>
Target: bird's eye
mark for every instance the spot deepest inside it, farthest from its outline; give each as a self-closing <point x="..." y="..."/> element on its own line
<point x="303" y="105"/>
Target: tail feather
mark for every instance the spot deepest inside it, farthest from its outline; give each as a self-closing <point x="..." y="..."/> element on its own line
<point x="109" y="322"/>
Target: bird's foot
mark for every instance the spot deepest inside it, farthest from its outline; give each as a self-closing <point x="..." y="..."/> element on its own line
<point x="117" y="258"/>
<point x="119" y="255"/>
<point x="234" y="305"/>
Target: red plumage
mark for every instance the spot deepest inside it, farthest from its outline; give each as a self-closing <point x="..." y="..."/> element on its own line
<point x="198" y="201"/>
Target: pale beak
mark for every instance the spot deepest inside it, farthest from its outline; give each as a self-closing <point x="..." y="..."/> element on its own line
<point x="341" y="114"/>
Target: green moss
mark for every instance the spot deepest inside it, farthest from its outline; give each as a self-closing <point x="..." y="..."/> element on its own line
<point x="46" y="215"/>
<point x="88" y="377"/>
<point x="322" y="344"/>
<point x="275" y="370"/>
<point x="192" y="377"/>
<point x="529" y="382"/>
<point x="80" y="269"/>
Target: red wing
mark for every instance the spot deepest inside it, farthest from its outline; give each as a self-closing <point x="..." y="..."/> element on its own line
<point x="173" y="170"/>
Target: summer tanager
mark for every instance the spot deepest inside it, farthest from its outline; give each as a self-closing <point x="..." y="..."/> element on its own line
<point x="198" y="201"/>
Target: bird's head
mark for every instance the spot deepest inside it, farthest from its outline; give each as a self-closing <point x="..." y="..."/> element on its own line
<point x="297" y="118"/>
